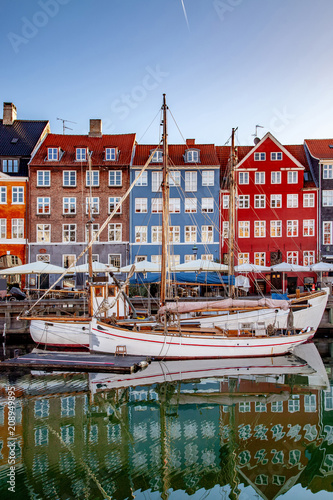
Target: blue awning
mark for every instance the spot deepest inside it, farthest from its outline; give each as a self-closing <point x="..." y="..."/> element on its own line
<point x="195" y="278"/>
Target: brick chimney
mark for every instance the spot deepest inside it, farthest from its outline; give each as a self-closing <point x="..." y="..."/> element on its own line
<point x="9" y="113"/>
<point x="190" y="142"/>
<point x="95" y="128"/>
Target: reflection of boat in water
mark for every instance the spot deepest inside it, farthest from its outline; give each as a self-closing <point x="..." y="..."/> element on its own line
<point x="305" y="361"/>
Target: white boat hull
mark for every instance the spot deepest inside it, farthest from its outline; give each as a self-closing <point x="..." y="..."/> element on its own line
<point x="60" y="334"/>
<point x="157" y="345"/>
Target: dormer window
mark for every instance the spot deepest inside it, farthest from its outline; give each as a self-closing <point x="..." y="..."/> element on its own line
<point x="192" y="156"/>
<point x="52" y="154"/>
<point x="110" y="154"/>
<point x="276" y="156"/>
<point x="259" y="156"/>
<point x="81" y="154"/>
<point x="157" y="157"/>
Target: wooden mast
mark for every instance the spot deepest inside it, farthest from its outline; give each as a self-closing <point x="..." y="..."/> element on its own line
<point x="232" y="216"/>
<point x="165" y="207"/>
<point x="90" y="235"/>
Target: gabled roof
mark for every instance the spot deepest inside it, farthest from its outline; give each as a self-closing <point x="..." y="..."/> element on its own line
<point x="208" y="156"/>
<point x="223" y="154"/>
<point x="68" y="144"/>
<point x="27" y="133"/>
<point x="321" y="149"/>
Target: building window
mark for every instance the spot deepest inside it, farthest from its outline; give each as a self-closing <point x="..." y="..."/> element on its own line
<point x="69" y="205"/>
<point x="244" y="229"/>
<point x="17" y="195"/>
<point x="174" y="205"/>
<point x="260" y="201"/>
<point x="43" y="205"/>
<point x="157" y="156"/>
<point x="276" y="228"/>
<point x="225" y="201"/>
<point x="42" y="408"/>
<point x="292" y="257"/>
<point x="308" y="258"/>
<point x="174" y="234"/>
<point x="69" y="178"/>
<point x="3" y="228"/>
<point x="174" y="260"/>
<point x="292" y="177"/>
<point x="292" y="200"/>
<point x="259" y="178"/>
<point x="44" y="178"/>
<point x="327" y="233"/>
<point x="310" y="403"/>
<point x="115" y="232"/>
<point x="308" y="200"/>
<point x="110" y="154"/>
<point x="207" y="205"/>
<point x="81" y="154"/>
<point x="292" y="228"/>
<point x="52" y="154"/>
<point x="190" y="234"/>
<point x="156" y="181"/>
<point x="10" y="166"/>
<point x="327" y="171"/>
<point x="140" y="234"/>
<point x="115" y="178"/>
<point x="156" y="234"/>
<point x="141" y="205"/>
<point x="207" y="234"/>
<point x="189" y="258"/>
<point x="243" y="201"/>
<point x="114" y="260"/>
<point x="276" y="156"/>
<point x="207" y="256"/>
<point x="68" y="233"/>
<point x="276" y="177"/>
<point x="208" y="178"/>
<point x="225" y="229"/>
<point x="190" y="205"/>
<point x="156" y="259"/>
<point x="3" y="194"/>
<point x="327" y="198"/>
<point x="156" y="205"/>
<point x="113" y="202"/>
<point x="276" y="200"/>
<point x="41" y="436"/>
<point x="45" y="257"/>
<point x="43" y="233"/>
<point x="92" y="178"/>
<point x="259" y="229"/>
<point x="243" y="177"/>
<point x="192" y="156"/>
<point x="94" y="231"/>
<point x="174" y="178"/>
<point x="93" y="204"/>
<point x="17" y="228"/>
<point x="259" y="156"/>
<point x="190" y="181"/>
<point x="308" y="227"/>
<point x="143" y="180"/>
<point x="243" y="258"/>
<point x="68" y="260"/>
<point x="260" y="258"/>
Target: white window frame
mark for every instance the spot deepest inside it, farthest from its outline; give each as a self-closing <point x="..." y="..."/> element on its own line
<point x="190" y="234"/>
<point x="244" y="229"/>
<point x="327" y="233"/>
<point x="94" y="204"/>
<point x="327" y="171"/>
<point x="207" y="256"/>
<point x="243" y="258"/>
<point x="174" y="234"/>
<point x="208" y="178"/>
<point x="259" y="156"/>
<point x="143" y="181"/>
<point x="68" y="259"/>
<point x="17" y="229"/>
<point x="52" y="154"/>
<point x="308" y="227"/>
<point x="43" y="233"/>
<point x="141" y="205"/>
<point x="308" y="200"/>
<point x="275" y="177"/>
<point x="292" y="177"/>
<point x="156" y="234"/>
<point x="110" y="154"/>
<point x="327" y="197"/>
<point x="276" y="200"/>
<point x="115" y="229"/>
<point x="94" y="178"/>
<point x="69" y="233"/>
<point x="81" y="154"/>
<point x="43" y="205"/>
<point x="174" y="205"/>
<point x="259" y="201"/>
<point x="174" y="178"/>
<point x="260" y="258"/>
<point x="260" y="229"/>
<point x="292" y="200"/>
<point x="276" y="228"/>
<point x="141" y="234"/>
<point x="43" y="178"/>
<point x="243" y="201"/>
<point x="18" y="195"/>
<point x="225" y="201"/>
<point x="207" y="234"/>
<point x="156" y="205"/>
<point x="191" y="181"/>
<point x="225" y="229"/>
<point x="95" y="229"/>
<point x="69" y="178"/>
<point x="292" y="257"/>
<point x="3" y="228"/>
<point x="157" y="156"/>
<point x="276" y="155"/>
<point x="243" y="178"/>
<point x="192" y="156"/>
<point x="115" y="178"/>
<point x="3" y="195"/>
<point x="112" y="259"/>
<point x="156" y="181"/>
<point x="259" y="178"/>
<point x="309" y="257"/>
<point x="191" y="205"/>
<point x="112" y="203"/>
<point x="69" y="205"/>
<point x="207" y="205"/>
<point x="292" y="228"/>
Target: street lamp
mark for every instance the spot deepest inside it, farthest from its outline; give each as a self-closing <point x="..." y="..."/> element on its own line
<point x="195" y="252"/>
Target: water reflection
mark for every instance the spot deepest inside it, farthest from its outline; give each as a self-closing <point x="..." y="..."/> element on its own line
<point x="223" y="428"/>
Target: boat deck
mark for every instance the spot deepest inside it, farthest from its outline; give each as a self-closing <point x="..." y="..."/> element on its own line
<point x="77" y="362"/>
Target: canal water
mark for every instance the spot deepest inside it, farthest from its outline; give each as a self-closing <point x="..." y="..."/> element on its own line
<point x="259" y="428"/>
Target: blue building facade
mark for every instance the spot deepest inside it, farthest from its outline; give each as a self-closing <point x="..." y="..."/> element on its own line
<point x="194" y="203"/>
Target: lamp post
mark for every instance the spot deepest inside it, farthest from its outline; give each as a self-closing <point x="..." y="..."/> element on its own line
<point x="195" y="252"/>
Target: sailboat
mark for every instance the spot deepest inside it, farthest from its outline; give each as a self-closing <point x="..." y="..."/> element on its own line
<point x="176" y="341"/>
<point x="195" y="324"/>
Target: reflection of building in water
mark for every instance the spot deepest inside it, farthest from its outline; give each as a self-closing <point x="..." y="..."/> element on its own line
<point x="187" y="436"/>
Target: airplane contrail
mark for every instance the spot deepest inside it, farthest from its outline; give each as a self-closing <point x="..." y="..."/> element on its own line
<point x="184" y="10"/>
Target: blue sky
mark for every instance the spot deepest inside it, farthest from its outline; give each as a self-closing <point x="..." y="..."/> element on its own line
<point x="227" y="63"/>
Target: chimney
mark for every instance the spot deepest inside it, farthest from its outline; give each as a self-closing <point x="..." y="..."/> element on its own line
<point x="95" y="128"/>
<point x="190" y="142"/>
<point x="9" y="113"/>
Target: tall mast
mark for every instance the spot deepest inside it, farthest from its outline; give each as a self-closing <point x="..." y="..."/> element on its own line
<point x="90" y="235"/>
<point x="232" y="215"/>
<point x="165" y="207"/>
